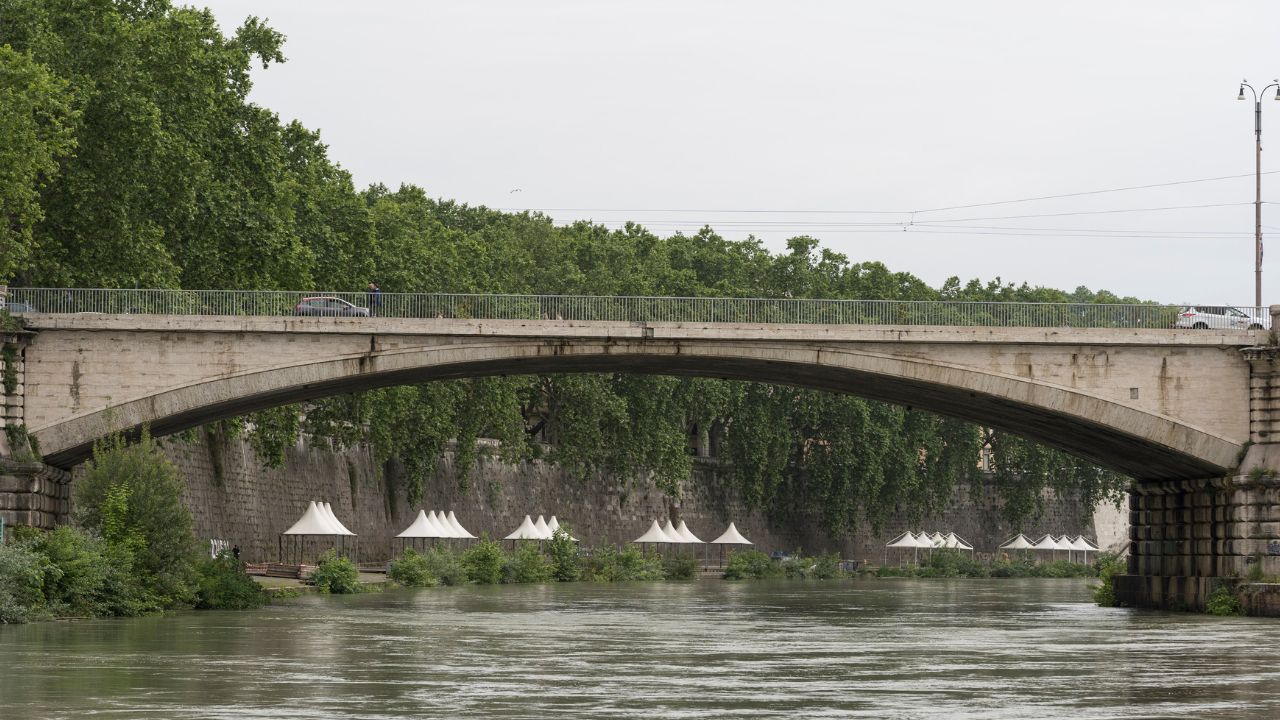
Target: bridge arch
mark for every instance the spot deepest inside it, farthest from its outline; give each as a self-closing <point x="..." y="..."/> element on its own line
<point x="1141" y="443"/>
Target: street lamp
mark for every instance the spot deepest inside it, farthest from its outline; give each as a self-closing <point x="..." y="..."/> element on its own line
<point x="1257" y="203"/>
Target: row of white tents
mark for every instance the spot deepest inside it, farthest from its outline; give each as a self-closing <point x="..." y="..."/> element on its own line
<point x="925" y="541"/>
<point x="539" y="529"/>
<point x="1052" y="544"/>
<point x="671" y="534"/>
<point x="435" y="526"/>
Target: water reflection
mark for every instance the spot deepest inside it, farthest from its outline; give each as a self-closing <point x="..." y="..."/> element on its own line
<point x="879" y="649"/>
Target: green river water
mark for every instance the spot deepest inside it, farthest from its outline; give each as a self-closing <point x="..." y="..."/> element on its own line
<point x="1031" y="648"/>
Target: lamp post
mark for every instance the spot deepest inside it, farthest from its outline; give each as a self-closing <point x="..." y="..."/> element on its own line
<point x="1257" y="203"/>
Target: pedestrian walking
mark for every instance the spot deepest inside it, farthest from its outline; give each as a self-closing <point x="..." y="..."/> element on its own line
<point x="375" y="298"/>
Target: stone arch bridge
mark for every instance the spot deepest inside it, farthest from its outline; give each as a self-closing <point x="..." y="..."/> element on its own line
<point x="1175" y="409"/>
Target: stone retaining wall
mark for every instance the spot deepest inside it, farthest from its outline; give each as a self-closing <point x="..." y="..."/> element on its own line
<point x="234" y="498"/>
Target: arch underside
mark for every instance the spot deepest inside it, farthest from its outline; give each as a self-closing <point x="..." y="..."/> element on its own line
<point x="1056" y="416"/>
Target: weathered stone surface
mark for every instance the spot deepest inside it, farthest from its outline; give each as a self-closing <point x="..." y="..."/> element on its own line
<point x="1068" y="387"/>
<point x="233" y="498"/>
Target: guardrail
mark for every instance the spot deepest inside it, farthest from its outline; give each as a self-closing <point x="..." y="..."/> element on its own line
<point x="633" y="309"/>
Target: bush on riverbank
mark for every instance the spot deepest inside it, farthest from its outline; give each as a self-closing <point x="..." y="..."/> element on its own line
<point x="484" y="562"/>
<point x="1108" y="565"/>
<point x="412" y="570"/>
<point x="951" y="563"/>
<point x="609" y="564"/>
<point x="336" y="575"/>
<point x="223" y="585"/>
<point x="751" y="565"/>
<point x="526" y="565"/>
<point x="566" y="566"/>
<point x="679" y="566"/>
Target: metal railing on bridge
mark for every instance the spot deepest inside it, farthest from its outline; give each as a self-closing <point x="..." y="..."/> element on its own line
<point x="633" y="309"/>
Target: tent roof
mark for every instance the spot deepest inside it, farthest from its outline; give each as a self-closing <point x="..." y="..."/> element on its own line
<point x="731" y="537"/>
<point x="526" y="531"/>
<point x="1081" y="544"/>
<point x="906" y="539"/>
<point x="1046" y="543"/>
<point x="1063" y="543"/>
<point x="312" y="522"/>
<point x="457" y="526"/>
<point x="1019" y="542"/>
<point x="419" y="528"/>
<point x="553" y="524"/>
<point x="653" y="535"/>
<point x="670" y="531"/>
<point x="541" y="526"/>
<point x="923" y="540"/>
<point x="440" y="525"/>
<point x="687" y="534"/>
<point x="328" y="509"/>
<point x="954" y="541"/>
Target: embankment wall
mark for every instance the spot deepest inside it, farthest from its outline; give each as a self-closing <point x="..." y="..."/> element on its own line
<point x="234" y="498"/>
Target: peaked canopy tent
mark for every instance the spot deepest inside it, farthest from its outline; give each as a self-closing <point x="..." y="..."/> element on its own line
<point x="905" y="540"/>
<point x="956" y="542"/>
<point x="1048" y="542"/>
<point x="730" y="536"/>
<point x="420" y="528"/>
<point x="1018" y="542"/>
<point x="653" y="535"/>
<point x="1084" y="546"/>
<point x="526" y="531"/>
<point x="687" y="534"/>
<point x="543" y="529"/>
<point x="554" y="525"/>
<point x="315" y="522"/>
<point x="452" y="522"/>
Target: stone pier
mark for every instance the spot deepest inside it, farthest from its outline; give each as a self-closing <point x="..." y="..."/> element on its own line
<point x="32" y="493"/>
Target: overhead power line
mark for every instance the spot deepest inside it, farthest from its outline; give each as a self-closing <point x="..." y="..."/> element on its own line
<point x="797" y="211"/>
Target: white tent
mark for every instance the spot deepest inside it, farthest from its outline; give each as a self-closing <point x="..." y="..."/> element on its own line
<point x="1083" y="546"/>
<point x="938" y="539"/>
<point x="670" y="531"/>
<point x="526" y="531"/>
<point x="954" y="541"/>
<point x="905" y="540"/>
<point x="419" y="528"/>
<point x="328" y="509"/>
<point x="553" y="524"/>
<point x="687" y="534"/>
<point x="543" y="530"/>
<point x="1018" y="542"/>
<point x="1046" y="543"/>
<point x="439" y="525"/>
<point x="653" y="535"/>
<point x="731" y="536"/>
<point x="1064" y="543"/>
<point x="313" y="522"/>
<point x="923" y="540"/>
<point x="452" y="521"/>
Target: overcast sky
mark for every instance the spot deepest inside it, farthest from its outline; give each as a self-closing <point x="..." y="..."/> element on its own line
<point x="779" y="119"/>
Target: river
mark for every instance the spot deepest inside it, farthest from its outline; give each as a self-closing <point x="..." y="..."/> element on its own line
<point x="1030" y="648"/>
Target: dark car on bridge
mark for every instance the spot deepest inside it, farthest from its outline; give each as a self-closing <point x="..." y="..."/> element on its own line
<point x="329" y="306"/>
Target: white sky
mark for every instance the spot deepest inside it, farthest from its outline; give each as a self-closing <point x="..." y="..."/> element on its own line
<point x="635" y="110"/>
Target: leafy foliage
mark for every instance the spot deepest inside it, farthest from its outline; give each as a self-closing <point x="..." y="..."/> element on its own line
<point x="22" y="574"/>
<point x="1222" y="601"/>
<point x="131" y="495"/>
<point x="608" y="564"/>
<point x="526" y="565"/>
<point x="412" y="570"/>
<point x="484" y="562"/>
<point x="751" y="565"/>
<point x="223" y="585"/>
<point x="566" y="566"/>
<point x="1108" y="566"/>
<point x="336" y="575"/>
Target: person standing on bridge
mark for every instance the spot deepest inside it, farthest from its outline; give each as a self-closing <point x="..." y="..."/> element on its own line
<point x="375" y="298"/>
